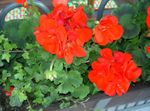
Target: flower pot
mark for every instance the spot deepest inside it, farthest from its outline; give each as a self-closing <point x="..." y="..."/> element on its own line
<point x="137" y="97"/>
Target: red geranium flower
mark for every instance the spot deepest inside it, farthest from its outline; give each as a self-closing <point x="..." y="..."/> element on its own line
<point x="148" y="49"/>
<point x="148" y="17"/>
<point x="64" y="32"/>
<point x="9" y="93"/>
<point x="107" y="30"/>
<point x="22" y="2"/>
<point x="59" y="2"/>
<point x="112" y="73"/>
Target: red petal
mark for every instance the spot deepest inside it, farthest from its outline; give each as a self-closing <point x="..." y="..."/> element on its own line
<point x="92" y="76"/>
<point x="106" y="53"/>
<point x="101" y="84"/>
<point x="41" y="37"/>
<point x="20" y="1"/>
<point x="62" y="34"/>
<point x="79" y="51"/>
<point x="109" y="19"/>
<point x="46" y="23"/>
<point x="68" y="55"/>
<point x="110" y="89"/>
<point x="84" y="35"/>
<point x="148" y="21"/>
<point x="99" y="38"/>
<point x="59" y="2"/>
<point x="122" y="57"/>
<point x="114" y="33"/>
<point x="52" y="46"/>
<point x="80" y="17"/>
<point x="122" y="86"/>
<point x="148" y="49"/>
<point x="11" y="88"/>
<point x="132" y="71"/>
<point x="7" y="93"/>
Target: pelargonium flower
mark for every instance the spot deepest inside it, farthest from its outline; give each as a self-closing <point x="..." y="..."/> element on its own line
<point x="107" y="30"/>
<point x="113" y="72"/>
<point x="148" y="17"/>
<point x="9" y="93"/>
<point x="64" y="32"/>
<point x="147" y="49"/>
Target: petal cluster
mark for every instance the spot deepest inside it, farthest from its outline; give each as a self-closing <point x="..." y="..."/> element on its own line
<point x="113" y="72"/>
<point x="107" y="30"/>
<point x="64" y="32"/>
<point x="148" y="17"/>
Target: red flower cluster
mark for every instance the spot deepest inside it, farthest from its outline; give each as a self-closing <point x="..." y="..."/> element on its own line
<point x="112" y="73"/>
<point x="107" y="30"/>
<point x="9" y="93"/>
<point x="22" y="2"/>
<point x="147" y="49"/>
<point x="148" y="17"/>
<point x="64" y="32"/>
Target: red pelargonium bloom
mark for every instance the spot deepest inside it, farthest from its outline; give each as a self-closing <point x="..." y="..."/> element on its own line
<point x="59" y="2"/>
<point x="113" y="72"/>
<point x="9" y="93"/>
<point x="22" y="2"/>
<point x="148" y="17"/>
<point x="107" y="30"/>
<point x="147" y="49"/>
<point x="64" y="32"/>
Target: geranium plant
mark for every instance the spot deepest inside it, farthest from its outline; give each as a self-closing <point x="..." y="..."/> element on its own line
<point x="66" y="55"/>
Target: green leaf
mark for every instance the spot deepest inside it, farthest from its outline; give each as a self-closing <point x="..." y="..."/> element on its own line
<point x="79" y="61"/>
<point x="6" y="56"/>
<point x="25" y="55"/>
<point x="65" y="88"/>
<point x="59" y="65"/>
<point x="19" y="76"/>
<point x="146" y="71"/>
<point x="1" y="63"/>
<point x="38" y="100"/>
<point x="81" y="92"/>
<point x="17" y="98"/>
<point x="64" y="105"/>
<point x="126" y="14"/>
<point x="5" y="75"/>
<point x="1" y="38"/>
<point x="52" y="97"/>
<point x="137" y="53"/>
<point x="68" y="81"/>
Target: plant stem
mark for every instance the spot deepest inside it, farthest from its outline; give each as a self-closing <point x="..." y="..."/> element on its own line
<point x="15" y="51"/>
<point x="52" y="63"/>
<point x="30" y="106"/>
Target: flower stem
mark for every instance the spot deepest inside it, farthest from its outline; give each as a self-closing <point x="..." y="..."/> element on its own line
<point x="52" y="63"/>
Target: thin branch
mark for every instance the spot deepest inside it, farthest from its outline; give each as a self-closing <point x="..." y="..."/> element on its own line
<point x="15" y="51"/>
